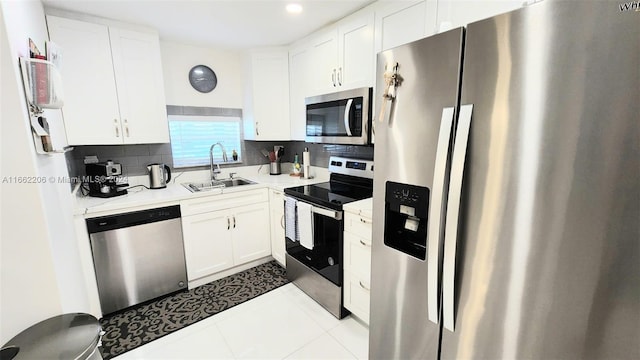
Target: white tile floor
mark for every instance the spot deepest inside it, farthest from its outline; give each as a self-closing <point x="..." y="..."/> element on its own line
<point x="282" y="324"/>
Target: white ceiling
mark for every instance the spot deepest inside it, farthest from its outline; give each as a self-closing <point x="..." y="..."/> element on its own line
<point x="235" y="24"/>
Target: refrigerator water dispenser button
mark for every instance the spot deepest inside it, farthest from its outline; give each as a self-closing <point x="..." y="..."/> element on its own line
<point x="407" y="210"/>
<point x="411" y="224"/>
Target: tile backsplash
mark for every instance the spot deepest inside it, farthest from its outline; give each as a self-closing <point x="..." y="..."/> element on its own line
<point x="135" y="158"/>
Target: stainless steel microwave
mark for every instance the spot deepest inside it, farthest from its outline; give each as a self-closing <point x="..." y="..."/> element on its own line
<point x="340" y="118"/>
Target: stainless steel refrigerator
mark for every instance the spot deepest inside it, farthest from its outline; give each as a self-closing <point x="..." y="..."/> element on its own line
<point x="507" y="189"/>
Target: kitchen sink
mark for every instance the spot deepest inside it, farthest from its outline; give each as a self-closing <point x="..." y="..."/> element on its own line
<point x="217" y="184"/>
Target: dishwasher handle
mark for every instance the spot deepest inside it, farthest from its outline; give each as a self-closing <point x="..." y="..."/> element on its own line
<point x="119" y="221"/>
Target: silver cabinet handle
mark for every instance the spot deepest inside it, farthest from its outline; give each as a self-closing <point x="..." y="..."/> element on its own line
<point x="234" y="221"/>
<point x="347" y="111"/>
<point x="257" y="131"/>
<point x="453" y="211"/>
<point x="365" y="221"/>
<point x="365" y="244"/>
<point x="228" y="224"/>
<point x="340" y="76"/>
<point x="126" y="127"/>
<point x="436" y="215"/>
<point x="362" y="286"/>
<point x="333" y="77"/>
<point x="282" y="221"/>
<point x="115" y="121"/>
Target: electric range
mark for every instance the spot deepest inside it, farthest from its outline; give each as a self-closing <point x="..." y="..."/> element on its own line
<point x="315" y="264"/>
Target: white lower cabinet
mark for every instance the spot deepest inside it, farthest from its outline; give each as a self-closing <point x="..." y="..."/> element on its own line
<point x="278" y="250"/>
<point x="207" y="243"/>
<point x="357" y="264"/>
<point x="250" y="233"/>
<point x="219" y="235"/>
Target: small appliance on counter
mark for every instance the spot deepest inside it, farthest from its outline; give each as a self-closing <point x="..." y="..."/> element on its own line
<point x="274" y="160"/>
<point x="306" y="164"/>
<point x="159" y="176"/>
<point x="102" y="179"/>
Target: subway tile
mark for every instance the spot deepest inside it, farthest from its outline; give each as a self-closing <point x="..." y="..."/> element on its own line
<point x="136" y="150"/>
<point x="126" y="160"/>
<point x="108" y="152"/>
<point x="167" y="159"/>
<point x="135" y="157"/>
<point x="160" y="149"/>
<point x="146" y="160"/>
<point x="174" y="110"/>
<point x="133" y="170"/>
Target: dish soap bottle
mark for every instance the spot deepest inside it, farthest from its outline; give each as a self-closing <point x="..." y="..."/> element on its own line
<point x="296" y="165"/>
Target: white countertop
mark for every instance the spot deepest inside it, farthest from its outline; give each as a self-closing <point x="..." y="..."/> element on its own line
<point x="361" y="207"/>
<point x="141" y="198"/>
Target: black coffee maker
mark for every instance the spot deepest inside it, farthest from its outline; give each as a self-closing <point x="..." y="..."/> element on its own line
<point x="102" y="179"/>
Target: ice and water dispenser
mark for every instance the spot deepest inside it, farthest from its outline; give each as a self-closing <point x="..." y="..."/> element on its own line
<point x="405" y="218"/>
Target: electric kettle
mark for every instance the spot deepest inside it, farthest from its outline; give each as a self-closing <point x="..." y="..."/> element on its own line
<point x="157" y="174"/>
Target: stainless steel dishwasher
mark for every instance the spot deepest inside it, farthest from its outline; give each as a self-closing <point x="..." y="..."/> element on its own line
<point x="137" y="256"/>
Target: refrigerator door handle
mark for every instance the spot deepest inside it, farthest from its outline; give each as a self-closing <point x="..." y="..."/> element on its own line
<point x="453" y="211"/>
<point x="436" y="212"/>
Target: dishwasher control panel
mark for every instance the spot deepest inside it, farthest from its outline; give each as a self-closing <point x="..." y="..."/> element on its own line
<point x="112" y="222"/>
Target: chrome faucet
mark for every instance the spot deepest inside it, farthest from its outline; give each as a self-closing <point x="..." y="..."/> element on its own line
<point x="216" y="171"/>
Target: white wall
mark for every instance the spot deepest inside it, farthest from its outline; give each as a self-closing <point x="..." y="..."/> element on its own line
<point x="41" y="271"/>
<point x="178" y="59"/>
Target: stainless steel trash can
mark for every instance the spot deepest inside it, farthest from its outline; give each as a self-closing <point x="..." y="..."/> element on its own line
<point x="67" y="336"/>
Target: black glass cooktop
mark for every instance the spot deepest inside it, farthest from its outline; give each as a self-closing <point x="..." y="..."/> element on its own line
<point x="333" y="194"/>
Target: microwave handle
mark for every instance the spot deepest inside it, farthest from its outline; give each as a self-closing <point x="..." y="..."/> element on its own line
<point x="347" y="112"/>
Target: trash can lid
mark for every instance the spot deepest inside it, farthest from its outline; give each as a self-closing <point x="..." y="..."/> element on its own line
<point x="67" y="336"/>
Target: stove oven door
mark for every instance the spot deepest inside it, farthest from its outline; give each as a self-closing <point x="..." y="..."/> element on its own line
<point x="326" y="256"/>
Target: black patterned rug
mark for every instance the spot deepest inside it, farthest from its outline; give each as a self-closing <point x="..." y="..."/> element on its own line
<point x="139" y="325"/>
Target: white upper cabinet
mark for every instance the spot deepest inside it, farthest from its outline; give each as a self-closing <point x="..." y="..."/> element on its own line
<point x="342" y="58"/>
<point x="114" y="93"/>
<point x="91" y="112"/>
<point x="356" y="55"/>
<point x="323" y="66"/>
<point x="138" y="74"/>
<point x="266" y="109"/>
<point x="402" y="22"/>
<point x="299" y="85"/>
<point x="453" y="13"/>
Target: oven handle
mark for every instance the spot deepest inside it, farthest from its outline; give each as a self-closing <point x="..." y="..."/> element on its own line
<point x="330" y="213"/>
<point x="337" y="215"/>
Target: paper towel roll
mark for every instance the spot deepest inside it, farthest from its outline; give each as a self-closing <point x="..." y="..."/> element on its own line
<point x="305" y="158"/>
<point x="306" y="164"/>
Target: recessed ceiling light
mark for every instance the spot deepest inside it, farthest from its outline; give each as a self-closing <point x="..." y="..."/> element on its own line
<point x="294" y="8"/>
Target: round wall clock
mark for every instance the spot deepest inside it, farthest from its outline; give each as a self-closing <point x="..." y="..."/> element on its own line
<point x="202" y="78"/>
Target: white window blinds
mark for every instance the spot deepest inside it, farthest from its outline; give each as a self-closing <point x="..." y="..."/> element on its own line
<point x="192" y="136"/>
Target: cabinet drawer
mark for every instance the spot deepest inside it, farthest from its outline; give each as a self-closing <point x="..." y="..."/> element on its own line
<point x="357" y="254"/>
<point x="357" y="224"/>
<point x="223" y="201"/>
<point x="357" y="295"/>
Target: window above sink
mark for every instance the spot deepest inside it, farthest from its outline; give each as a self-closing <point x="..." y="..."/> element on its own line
<point x="192" y="136"/>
